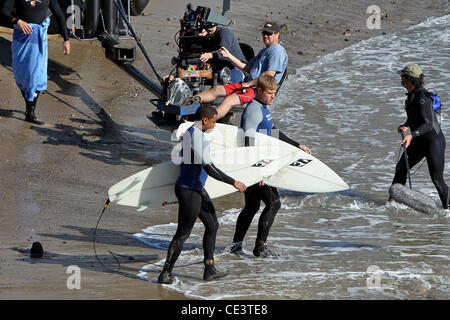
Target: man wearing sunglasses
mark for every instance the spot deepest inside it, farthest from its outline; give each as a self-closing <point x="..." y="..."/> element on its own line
<point x="271" y="60"/>
<point x="223" y="38"/>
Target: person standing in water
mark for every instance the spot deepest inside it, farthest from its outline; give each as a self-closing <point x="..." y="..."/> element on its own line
<point x="426" y="138"/>
<point x="194" y="201"/>
<point x="30" y="46"/>
<point x="256" y="117"/>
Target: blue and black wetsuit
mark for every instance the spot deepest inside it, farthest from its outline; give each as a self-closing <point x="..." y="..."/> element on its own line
<point x="194" y="201"/>
<point x="256" y="117"/>
<point x="428" y="141"/>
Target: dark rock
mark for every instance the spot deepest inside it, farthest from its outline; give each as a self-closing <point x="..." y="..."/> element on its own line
<point x="37" y="251"/>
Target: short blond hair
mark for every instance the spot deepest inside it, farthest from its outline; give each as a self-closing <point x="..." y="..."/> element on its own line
<point x="267" y="82"/>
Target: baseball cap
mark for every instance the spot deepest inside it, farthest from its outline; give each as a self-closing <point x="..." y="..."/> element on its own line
<point x="271" y="27"/>
<point x="209" y="25"/>
<point x="412" y="70"/>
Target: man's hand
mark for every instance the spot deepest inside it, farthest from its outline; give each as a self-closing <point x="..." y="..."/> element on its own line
<point x="304" y="148"/>
<point x="224" y="52"/>
<point x="168" y="78"/>
<point x="239" y="186"/>
<point x="402" y="129"/>
<point x="206" y="56"/>
<point x="406" y="141"/>
<point x="66" y="47"/>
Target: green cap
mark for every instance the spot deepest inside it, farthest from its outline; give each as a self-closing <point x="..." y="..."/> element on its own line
<point x="412" y="70"/>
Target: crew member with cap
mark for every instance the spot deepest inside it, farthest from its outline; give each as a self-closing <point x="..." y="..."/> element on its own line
<point x="271" y="60"/>
<point x="223" y="38"/>
<point x="426" y="138"/>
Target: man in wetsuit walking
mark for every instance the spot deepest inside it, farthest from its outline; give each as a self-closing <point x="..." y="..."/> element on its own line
<point x="426" y="138"/>
<point x="194" y="201"/>
<point x="256" y="117"/>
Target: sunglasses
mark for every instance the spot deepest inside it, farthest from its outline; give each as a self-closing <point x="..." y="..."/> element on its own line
<point x="267" y="33"/>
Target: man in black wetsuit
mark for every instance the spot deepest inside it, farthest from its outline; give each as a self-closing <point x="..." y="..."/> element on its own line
<point x="256" y="117"/>
<point x="426" y="138"/>
<point x="29" y="46"/>
<point x="194" y="201"/>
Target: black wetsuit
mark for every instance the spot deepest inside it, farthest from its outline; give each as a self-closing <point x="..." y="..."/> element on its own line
<point x="256" y="117"/>
<point x="428" y="141"/>
<point x="35" y="12"/>
<point x="194" y="201"/>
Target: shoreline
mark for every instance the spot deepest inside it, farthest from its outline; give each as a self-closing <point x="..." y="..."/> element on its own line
<point x="55" y="176"/>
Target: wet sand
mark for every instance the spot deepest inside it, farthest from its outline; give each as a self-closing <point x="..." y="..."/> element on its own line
<point x="55" y="177"/>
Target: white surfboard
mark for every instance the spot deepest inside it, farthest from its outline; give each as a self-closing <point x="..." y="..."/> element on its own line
<point x="155" y="186"/>
<point x="305" y="173"/>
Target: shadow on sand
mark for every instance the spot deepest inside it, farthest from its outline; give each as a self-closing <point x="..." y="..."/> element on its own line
<point x="99" y="136"/>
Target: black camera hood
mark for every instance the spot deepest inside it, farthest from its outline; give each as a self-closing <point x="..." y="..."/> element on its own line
<point x="204" y="16"/>
<point x="217" y="18"/>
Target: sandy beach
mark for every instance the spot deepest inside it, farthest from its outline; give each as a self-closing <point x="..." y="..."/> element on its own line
<point x="55" y="177"/>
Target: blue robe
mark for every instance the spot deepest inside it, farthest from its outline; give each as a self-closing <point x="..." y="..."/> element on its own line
<point x="30" y="59"/>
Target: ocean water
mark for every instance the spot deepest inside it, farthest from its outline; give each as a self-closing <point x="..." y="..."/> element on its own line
<point x="348" y="245"/>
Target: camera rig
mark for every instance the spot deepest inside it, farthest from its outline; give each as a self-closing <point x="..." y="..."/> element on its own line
<point x="190" y="75"/>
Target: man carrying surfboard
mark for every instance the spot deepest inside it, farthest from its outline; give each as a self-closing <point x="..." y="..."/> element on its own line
<point x="256" y="117"/>
<point x="194" y="201"/>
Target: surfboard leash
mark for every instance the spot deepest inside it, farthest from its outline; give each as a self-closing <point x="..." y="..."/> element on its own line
<point x="130" y="258"/>
<point x="95" y="235"/>
<point x="113" y="254"/>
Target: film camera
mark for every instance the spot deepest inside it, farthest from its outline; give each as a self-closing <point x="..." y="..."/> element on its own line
<point x="191" y="44"/>
<point x="191" y="74"/>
